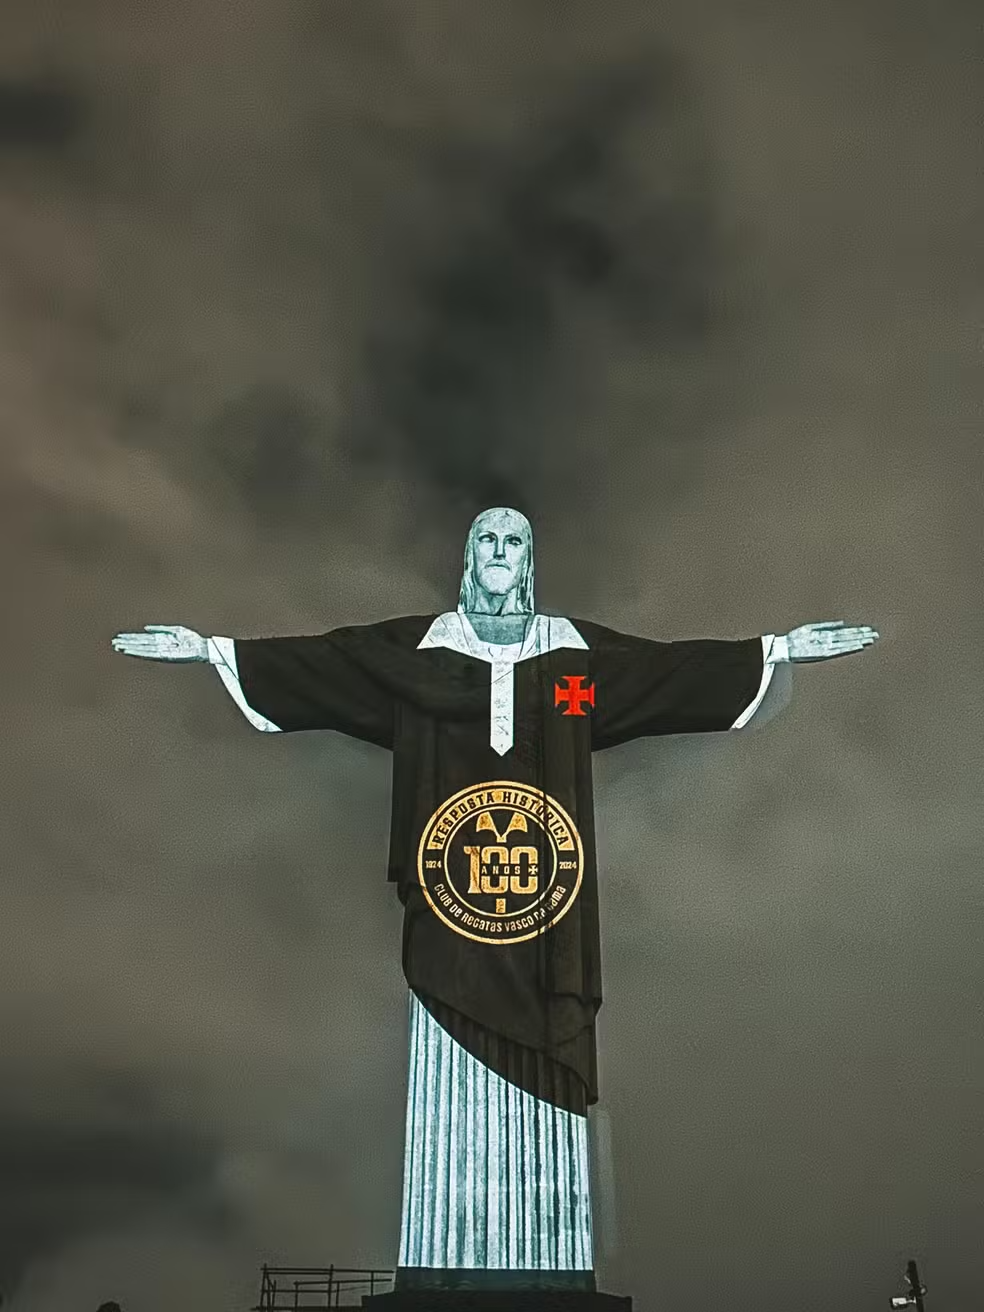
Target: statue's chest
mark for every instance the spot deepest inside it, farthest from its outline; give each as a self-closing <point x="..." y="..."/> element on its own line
<point x="500" y="630"/>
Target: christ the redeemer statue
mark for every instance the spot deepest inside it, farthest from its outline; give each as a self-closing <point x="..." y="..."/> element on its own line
<point x="492" y="712"/>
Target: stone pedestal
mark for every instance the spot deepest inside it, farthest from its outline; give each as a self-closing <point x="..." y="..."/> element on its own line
<point x="421" y="1289"/>
<point x="496" y="1300"/>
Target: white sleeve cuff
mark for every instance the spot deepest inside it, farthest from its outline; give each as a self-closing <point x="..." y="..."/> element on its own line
<point x="222" y="654"/>
<point x="780" y="648"/>
<point x="763" y="688"/>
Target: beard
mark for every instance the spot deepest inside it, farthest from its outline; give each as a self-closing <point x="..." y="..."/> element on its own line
<point x="498" y="579"/>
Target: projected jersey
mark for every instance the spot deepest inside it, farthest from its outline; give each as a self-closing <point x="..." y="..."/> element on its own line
<point x="492" y="841"/>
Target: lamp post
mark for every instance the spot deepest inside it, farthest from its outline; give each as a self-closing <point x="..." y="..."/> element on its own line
<point x="914" y="1298"/>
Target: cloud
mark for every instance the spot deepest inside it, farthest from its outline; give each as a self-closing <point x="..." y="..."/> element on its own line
<point x="288" y="292"/>
<point x="539" y="233"/>
<point x="41" y="115"/>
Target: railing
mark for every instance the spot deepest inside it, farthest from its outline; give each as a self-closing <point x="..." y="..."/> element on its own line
<point x="292" y="1288"/>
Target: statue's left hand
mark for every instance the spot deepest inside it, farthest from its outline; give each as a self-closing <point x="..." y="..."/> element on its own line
<point x="830" y="638"/>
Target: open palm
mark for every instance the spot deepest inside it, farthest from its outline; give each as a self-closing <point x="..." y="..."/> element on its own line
<point x="827" y="639"/>
<point x="163" y="642"/>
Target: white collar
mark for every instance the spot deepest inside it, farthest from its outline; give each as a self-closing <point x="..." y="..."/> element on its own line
<point x="546" y="633"/>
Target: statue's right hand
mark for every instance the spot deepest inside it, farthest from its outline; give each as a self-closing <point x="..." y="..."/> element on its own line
<point x="163" y="642"/>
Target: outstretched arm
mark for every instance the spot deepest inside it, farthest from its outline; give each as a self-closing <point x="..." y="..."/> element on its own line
<point x="174" y="642"/>
<point x="286" y="684"/>
<point x="646" y="688"/>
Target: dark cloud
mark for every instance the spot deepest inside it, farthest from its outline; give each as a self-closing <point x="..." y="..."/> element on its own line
<point x="556" y="220"/>
<point x="265" y="443"/>
<point x="62" y="1179"/>
<point x="45" y="115"/>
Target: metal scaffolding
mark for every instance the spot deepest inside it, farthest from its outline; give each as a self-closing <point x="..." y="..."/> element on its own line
<point x="292" y="1288"/>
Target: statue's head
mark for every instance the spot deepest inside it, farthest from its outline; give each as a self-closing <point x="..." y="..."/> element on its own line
<point x="498" y="562"/>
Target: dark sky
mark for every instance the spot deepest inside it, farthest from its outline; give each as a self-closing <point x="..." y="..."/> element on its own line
<point x="288" y="290"/>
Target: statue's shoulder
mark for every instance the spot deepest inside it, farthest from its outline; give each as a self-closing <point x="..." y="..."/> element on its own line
<point x="404" y="631"/>
<point x="595" y="635"/>
<point x="602" y="639"/>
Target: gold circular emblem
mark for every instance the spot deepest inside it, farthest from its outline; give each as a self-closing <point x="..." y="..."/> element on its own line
<point x="500" y="862"/>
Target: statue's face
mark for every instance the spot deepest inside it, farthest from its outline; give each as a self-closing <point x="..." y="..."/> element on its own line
<point x="501" y="547"/>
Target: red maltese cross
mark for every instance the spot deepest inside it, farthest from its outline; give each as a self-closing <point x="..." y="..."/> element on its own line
<point x="574" y="695"/>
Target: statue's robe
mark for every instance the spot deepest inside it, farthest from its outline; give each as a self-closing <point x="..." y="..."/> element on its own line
<point x="525" y="1009"/>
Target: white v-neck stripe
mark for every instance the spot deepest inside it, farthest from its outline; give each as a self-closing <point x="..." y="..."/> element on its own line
<point x="546" y="633"/>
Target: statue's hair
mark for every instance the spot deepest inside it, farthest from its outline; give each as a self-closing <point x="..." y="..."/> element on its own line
<point x="469" y="588"/>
